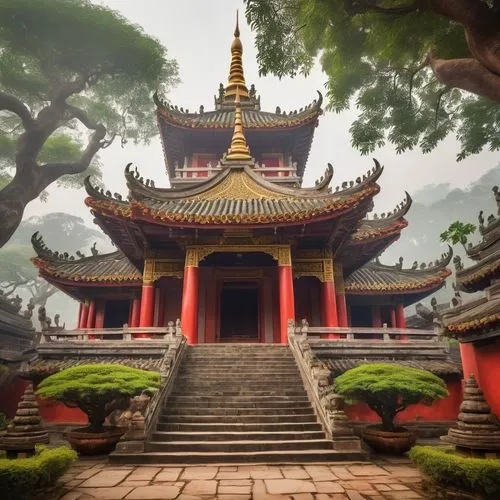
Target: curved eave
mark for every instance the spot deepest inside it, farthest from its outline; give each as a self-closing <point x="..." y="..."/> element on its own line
<point x="137" y="211"/>
<point x="480" y="275"/>
<point x="252" y="119"/>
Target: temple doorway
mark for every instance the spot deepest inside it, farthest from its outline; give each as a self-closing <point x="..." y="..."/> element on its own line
<point x="116" y="313"/>
<point x="239" y="312"/>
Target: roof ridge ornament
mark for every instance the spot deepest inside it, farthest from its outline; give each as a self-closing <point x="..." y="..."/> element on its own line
<point x="238" y="150"/>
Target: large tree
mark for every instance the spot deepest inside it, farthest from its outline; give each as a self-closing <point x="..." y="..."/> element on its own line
<point x="74" y="76"/>
<point x="417" y="70"/>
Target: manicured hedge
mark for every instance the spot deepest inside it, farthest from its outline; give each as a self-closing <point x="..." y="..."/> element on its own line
<point x="475" y="475"/>
<point x="20" y="478"/>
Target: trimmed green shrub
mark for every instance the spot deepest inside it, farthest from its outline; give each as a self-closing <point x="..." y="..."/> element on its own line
<point x="475" y="475"/>
<point x="98" y="389"/>
<point x="389" y="389"/>
<point x="20" y="478"/>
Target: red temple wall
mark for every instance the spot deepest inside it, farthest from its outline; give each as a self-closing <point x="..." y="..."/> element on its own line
<point x="488" y="363"/>
<point x="10" y="394"/>
<point x="443" y="409"/>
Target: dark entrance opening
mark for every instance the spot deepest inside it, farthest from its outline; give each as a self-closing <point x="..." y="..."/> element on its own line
<point x="116" y="313"/>
<point x="239" y="312"/>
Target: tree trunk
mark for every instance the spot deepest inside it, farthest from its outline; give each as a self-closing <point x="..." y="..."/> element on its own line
<point x="388" y="421"/>
<point x="13" y="201"/>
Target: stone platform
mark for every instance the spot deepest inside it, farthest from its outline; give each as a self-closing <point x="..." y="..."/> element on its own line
<point x="384" y="480"/>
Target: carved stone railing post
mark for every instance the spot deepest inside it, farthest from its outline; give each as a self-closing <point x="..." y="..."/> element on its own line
<point x="143" y="420"/>
<point x="329" y="405"/>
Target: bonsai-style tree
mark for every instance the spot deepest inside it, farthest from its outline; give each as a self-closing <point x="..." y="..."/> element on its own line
<point x="457" y="232"/>
<point x="388" y="389"/>
<point x="98" y="389"/>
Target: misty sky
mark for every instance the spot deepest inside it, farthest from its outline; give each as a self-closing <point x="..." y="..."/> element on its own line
<point x="198" y="33"/>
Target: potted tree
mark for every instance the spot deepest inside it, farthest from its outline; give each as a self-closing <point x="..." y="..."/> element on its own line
<point x="388" y="389"/>
<point x="97" y="390"/>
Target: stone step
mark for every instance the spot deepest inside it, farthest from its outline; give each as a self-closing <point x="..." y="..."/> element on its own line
<point x="205" y="399"/>
<point x="256" y="404"/>
<point x="175" y="410"/>
<point x="161" y="436"/>
<point x="259" y="457"/>
<point x="199" y="419"/>
<point x="239" y="446"/>
<point x="240" y="376"/>
<point x="212" y="427"/>
<point x="243" y="392"/>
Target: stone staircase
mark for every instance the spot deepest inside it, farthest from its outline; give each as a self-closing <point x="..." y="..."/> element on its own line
<point x="238" y="403"/>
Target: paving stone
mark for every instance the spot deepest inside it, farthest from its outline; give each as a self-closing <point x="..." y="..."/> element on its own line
<point x="201" y="487"/>
<point x="402" y="471"/>
<point x="320" y="473"/>
<point x="259" y="492"/>
<point x="73" y="483"/>
<point x="242" y="474"/>
<point x="86" y="473"/>
<point x="382" y="487"/>
<point x="297" y="473"/>
<point x="342" y="472"/>
<point x="134" y="484"/>
<point x="168" y="474"/>
<point x="328" y="487"/>
<point x="266" y="474"/>
<point x="256" y="467"/>
<point x="335" y="496"/>
<point x="403" y="495"/>
<point x="235" y="482"/>
<point x="105" y="479"/>
<point x="233" y="497"/>
<point x="367" y="470"/>
<point x="354" y="495"/>
<point x="115" y="493"/>
<point x="399" y="487"/>
<point x="71" y="495"/>
<point x="199" y="473"/>
<point x="228" y="468"/>
<point x="144" y="473"/>
<point x="188" y="497"/>
<point x="234" y="490"/>
<point x="303" y="496"/>
<point x="283" y="486"/>
<point x="153" y="493"/>
<point x="356" y="485"/>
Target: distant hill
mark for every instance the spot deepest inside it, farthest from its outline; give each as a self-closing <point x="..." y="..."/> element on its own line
<point x="434" y="208"/>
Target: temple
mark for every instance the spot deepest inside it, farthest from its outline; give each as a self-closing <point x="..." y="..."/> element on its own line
<point x="236" y="247"/>
<point x="476" y="324"/>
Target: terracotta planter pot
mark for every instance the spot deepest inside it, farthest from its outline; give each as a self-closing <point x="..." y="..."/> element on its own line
<point x="86" y="442"/>
<point x="395" y="443"/>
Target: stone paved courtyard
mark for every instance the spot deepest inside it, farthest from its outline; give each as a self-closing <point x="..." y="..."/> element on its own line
<point x="384" y="480"/>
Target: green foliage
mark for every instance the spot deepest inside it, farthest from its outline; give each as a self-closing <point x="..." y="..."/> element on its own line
<point x="48" y="46"/>
<point x="390" y="388"/>
<point x="21" y="478"/>
<point x="98" y="389"/>
<point x="476" y="475"/>
<point x="378" y="61"/>
<point x="457" y="232"/>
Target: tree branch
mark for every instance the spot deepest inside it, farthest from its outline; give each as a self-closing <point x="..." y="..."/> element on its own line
<point x="467" y="74"/>
<point x="13" y="104"/>
<point x="360" y="6"/>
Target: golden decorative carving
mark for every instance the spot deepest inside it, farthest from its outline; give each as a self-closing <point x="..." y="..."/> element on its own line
<point x="238" y="185"/>
<point x="308" y="269"/>
<point x="339" y="278"/>
<point x="239" y="273"/>
<point x="328" y="269"/>
<point x="315" y="262"/>
<point x="155" y="269"/>
<point x="281" y="253"/>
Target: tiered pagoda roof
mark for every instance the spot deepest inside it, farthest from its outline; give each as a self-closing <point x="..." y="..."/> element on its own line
<point x="479" y="318"/>
<point x="180" y="128"/>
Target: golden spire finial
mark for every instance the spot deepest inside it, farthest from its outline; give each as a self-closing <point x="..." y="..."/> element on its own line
<point x="239" y="149"/>
<point x="236" y="83"/>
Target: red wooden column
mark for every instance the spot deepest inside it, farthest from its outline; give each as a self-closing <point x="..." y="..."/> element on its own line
<point x="84" y="314"/>
<point x="376" y="317"/>
<point x="189" y="311"/>
<point x="340" y="296"/>
<point x="146" y="316"/>
<point x="393" y="317"/>
<point x="136" y="312"/>
<point x="287" y="305"/>
<point x="80" y="308"/>
<point x="161" y="306"/>
<point x="91" y="315"/>
<point x="400" y="320"/>
<point x="99" y="314"/>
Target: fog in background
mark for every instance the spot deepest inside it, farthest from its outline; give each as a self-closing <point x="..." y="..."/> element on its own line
<point x="198" y="34"/>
